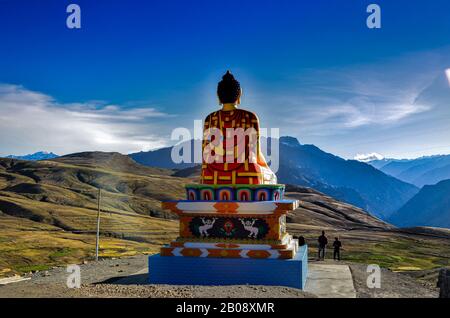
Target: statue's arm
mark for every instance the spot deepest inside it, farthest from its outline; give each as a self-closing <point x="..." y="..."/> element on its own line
<point x="255" y="125"/>
<point x="206" y="126"/>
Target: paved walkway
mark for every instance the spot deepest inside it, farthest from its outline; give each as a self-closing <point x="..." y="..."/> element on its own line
<point x="330" y="281"/>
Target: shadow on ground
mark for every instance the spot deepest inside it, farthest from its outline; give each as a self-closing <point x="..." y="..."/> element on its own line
<point x="135" y="279"/>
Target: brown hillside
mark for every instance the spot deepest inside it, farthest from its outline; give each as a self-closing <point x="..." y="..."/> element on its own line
<point x="111" y="161"/>
<point x="48" y="209"/>
<point x="320" y="210"/>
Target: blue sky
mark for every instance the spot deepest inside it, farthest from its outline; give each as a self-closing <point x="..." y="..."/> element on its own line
<point x="138" y="69"/>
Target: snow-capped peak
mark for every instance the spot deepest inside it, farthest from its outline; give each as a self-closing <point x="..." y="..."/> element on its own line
<point x="369" y="157"/>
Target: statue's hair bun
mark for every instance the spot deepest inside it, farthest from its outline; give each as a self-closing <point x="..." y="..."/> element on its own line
<point x="228" y="76"/>
<point x="228" y="89"/>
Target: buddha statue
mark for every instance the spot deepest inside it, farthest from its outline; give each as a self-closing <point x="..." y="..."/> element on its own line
<point x="231" y="145"/>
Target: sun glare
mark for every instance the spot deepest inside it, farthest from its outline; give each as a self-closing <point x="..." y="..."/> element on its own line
<point x="447" y="72"/>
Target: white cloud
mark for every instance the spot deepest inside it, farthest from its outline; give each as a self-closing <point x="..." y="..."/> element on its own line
<point x="354" y="100"/>
<point x="369" y="157"/>
<point x="361" y="102"/>
<point x="355" y="112"/>
<point x="32" y="121"/>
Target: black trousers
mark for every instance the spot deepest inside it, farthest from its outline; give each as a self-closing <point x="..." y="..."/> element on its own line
<point x="337" y="254"/>
<point x="321" y="252"/>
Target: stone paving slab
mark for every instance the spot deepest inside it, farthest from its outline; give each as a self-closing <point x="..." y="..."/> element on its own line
<point x="330" y="281"/>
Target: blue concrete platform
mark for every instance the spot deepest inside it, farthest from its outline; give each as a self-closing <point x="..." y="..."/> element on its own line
<point x="176" y="270"/>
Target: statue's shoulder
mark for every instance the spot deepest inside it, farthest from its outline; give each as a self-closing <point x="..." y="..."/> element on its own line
<point x="237" y="112"/>
<point x="212" y="116"/>
<point x="249" y="114"/>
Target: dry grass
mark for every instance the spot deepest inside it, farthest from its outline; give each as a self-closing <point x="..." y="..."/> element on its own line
<point x="48" y="213"/>
<point x="389" y="249"/>
<point x="26" y="245"/>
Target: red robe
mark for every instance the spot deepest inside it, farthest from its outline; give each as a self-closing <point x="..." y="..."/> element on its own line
<point x="243" y="164"/>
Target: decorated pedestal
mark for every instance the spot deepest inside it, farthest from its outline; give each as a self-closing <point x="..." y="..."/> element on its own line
<point x="232" y="224"/>
<point x="231" y="234"/>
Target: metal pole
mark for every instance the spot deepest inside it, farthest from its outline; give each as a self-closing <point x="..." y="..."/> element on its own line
<point x="97" y="238"/>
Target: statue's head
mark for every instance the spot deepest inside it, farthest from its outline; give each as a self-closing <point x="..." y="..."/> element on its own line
<point x="229" y="90"/>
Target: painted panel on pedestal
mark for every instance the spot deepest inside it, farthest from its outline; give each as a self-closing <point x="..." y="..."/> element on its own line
<point x="233" y="228"/>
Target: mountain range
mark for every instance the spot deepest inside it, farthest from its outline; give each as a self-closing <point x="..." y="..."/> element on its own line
<point x="421" y="171"/>
<point x="40" y="155"/>
<point x="306" y="165"/>
<point x="429" y="207"/>
<point x="379" y="186"/>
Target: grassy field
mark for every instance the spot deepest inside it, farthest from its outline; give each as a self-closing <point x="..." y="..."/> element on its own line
<point x="389" y="249"/>
<point x="48" y="212"/>
<point x="27" y="246"/>
<point x="366" y="239"/>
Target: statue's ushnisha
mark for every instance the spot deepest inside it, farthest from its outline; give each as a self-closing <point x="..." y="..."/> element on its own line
<point x="233" y="164"/>
<point x="233" y="224"/>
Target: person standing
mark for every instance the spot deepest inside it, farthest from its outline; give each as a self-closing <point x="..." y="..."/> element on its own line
<point x="337" y="249"/>
<point x="323" y="241"/>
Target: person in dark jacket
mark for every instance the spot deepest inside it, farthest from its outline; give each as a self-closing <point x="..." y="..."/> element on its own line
<point x="337" y="249"/>
<point x="323" y="241"/>
<point x="301" y="241"/>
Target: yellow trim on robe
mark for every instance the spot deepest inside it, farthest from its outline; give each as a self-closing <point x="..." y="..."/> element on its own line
<point x="229" y="107"/>
<point x="250" y="174"/>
